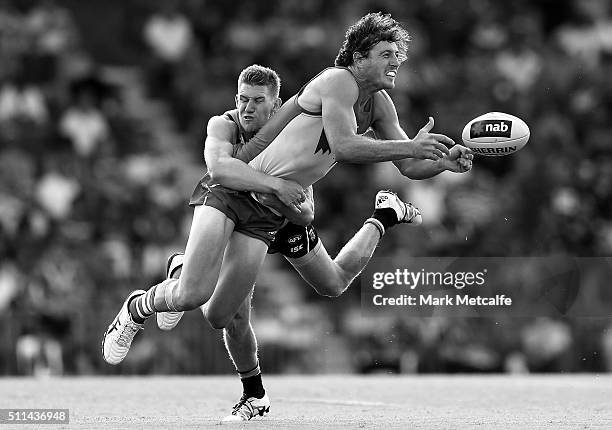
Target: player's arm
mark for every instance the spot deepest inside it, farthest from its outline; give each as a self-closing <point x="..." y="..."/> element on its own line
<point x="387" y="126"/>
<point x="235" y="174"/>
<point x="251" y="149"/>
<point x="338" y="95"/>
<point x="304" y="217"/>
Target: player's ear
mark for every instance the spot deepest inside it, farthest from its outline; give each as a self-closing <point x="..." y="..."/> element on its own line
<point x="357" y="56"/>
<point x="236" y="100"/>
<point x="277" y="104"/>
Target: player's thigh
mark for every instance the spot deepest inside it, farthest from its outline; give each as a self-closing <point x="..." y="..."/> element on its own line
<point x="208" y="237"/>
<point x="241" y="264"/>
<point x="320" y="271"/>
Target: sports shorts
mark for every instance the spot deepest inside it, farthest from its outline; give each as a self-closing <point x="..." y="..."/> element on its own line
<point x="294" y="241"/>
<point x="249" y="216"/>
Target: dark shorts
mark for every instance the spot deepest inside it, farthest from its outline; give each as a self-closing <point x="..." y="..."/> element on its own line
<point x="294" y="241"/>
<point x="249" y="216"/>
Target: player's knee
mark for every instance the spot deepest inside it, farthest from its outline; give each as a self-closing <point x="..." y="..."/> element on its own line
<point x="217" y="323"/>
<point x="216" y="319"/>
<point x="332" y="287"/>
<point x="238" y="326"/>
<point x="186" y="299"/>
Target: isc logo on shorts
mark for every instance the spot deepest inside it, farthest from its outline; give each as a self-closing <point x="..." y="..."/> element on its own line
<point x="295" y="249"/>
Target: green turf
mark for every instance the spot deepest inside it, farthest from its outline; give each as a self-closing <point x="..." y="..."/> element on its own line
<point x="324" y="402"/>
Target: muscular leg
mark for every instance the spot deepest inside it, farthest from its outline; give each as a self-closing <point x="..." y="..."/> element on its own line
<point x="208" y="237"/>
<point x="238" y="335"/>
<point x="240" y="340"/>
<point x="241" y="344"/>
<point x="243" y="259"/>
<point x="332" y="277"/>
<point x="230" y="308"/>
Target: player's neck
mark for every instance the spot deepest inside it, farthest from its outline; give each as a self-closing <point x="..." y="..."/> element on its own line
<point x="366" y="87"/>
<point x="248" y="134"/>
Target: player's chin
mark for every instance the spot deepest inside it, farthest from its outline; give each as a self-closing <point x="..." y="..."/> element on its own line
<point x="388" y="83"/>
<point x="250" y="126"/>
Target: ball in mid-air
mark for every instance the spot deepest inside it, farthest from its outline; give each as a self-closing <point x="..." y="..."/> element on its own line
<point x="495" y="134"/>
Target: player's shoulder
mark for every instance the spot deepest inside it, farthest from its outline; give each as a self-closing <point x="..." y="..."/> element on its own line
<point x="227" y="117"/>
<point x="335" y="80"/>
<point x="337" y="75"/>
<point x="224" y="120"/>
<point x="222" y="124"/>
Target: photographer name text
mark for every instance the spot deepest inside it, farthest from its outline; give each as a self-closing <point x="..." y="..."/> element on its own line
<point x="431" y="300"/>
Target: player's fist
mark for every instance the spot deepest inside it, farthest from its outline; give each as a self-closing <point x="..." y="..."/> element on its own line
<point x="290" y="193"/>
<point x="430" y="146"/>
<point x="459" y="159"/>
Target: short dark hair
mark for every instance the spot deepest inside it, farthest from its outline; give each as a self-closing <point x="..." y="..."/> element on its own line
<point x="260" y="75"/>
<point x="367" y="32"/>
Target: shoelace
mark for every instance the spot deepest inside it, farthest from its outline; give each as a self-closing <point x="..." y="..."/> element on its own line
<point x="127" y="334"/>
<point x="239" y="408"/>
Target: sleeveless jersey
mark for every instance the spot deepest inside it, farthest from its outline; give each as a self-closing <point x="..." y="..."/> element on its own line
<point x="238" y="143"/>
<point x="296" y="145"/>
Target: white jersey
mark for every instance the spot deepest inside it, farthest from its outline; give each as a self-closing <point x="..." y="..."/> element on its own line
<point x="298" y="148"/>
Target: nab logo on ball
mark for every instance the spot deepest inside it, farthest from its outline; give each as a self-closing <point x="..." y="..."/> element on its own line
<point x="491" y="128"/>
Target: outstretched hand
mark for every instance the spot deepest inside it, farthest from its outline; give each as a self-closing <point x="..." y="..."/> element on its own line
<point x="431" y="146"/>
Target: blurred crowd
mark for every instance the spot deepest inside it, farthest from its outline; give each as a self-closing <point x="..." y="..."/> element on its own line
<point x="102" y="113"/>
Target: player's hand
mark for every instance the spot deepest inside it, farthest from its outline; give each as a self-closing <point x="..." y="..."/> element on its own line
<point x="303" y="217"/>
<point x="459" y="159"/>
<point x="290" y="193"/>
<point x="430" y="146"/>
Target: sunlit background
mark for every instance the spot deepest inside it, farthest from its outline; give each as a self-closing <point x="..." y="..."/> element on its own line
<point x="103" y="107"/>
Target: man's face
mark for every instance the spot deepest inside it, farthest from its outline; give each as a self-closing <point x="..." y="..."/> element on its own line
<point x="255" y="104"/>
<point x="381" y="65"/>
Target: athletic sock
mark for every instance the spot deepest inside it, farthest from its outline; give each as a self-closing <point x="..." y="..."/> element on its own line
<point x="141" y="307"/>
<point x="382" y="219"/>
<point x="252" y="386"/>
<point x="386" y="216"/>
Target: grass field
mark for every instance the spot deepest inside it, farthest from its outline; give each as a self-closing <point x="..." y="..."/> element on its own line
<point x="323" y="402"/>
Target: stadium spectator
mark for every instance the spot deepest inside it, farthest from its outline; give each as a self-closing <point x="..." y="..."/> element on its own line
<point x="22" y="102"/>
<point x="169" y="35"/>
<point x="84" y="125"/>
